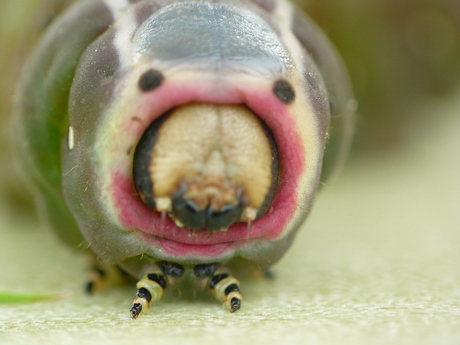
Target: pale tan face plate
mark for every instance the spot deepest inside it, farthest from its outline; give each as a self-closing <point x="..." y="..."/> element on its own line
<point x="217" y="153"/>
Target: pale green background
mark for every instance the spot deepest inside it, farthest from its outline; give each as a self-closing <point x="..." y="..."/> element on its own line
<point x="378" y="262"/>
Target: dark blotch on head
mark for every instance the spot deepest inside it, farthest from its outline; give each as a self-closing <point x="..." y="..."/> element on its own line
<point x="150" y="80"/>
<point x="284" y="91"/>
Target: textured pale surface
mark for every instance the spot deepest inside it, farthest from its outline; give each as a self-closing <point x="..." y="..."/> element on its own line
<point x="196" y="146"/>
<point x="378" y="262"/>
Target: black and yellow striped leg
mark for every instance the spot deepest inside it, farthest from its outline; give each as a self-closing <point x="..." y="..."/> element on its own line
<point x="224" y="287"/>
<point x="101" y="275"/>
<point x="150" y="288"/>
<point x="227" y="289"/>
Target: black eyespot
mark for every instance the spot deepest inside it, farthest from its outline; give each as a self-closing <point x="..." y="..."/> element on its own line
<point x="284" y="91"/>
<point x="150" y="80"/>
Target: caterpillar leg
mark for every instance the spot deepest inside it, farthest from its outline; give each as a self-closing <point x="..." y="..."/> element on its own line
<point x="150" y="288"/>
<point x="224" y="287"/>
<point x="102" y="275"/>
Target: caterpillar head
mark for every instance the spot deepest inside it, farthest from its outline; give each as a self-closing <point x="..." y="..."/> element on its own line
<point x="183" y="133"/>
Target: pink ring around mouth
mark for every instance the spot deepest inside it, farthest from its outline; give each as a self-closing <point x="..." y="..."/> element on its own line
<point x="135" y="215"/>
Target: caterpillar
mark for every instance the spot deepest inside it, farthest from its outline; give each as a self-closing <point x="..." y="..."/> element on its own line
<point x="181" y="138"/>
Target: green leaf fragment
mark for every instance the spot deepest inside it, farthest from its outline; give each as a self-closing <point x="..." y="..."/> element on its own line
<point x="25" y="297"/>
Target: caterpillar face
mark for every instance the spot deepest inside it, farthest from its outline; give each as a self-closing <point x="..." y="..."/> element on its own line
<point x="188" y="165"/>
<point x="196" y="131"/>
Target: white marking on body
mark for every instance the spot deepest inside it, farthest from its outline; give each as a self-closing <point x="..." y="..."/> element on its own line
<point x="116" y="6"/>
<point x="284" y="12"/>
<point x="70" y="139"/>
<point x="124" y="29"/>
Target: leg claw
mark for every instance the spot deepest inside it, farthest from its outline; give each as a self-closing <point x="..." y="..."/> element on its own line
<point x="235" y="304"/>
<point x="136" y="309"/>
